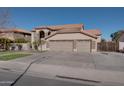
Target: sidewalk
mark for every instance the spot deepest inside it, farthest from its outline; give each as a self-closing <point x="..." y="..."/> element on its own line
<point x="101" y="76"/>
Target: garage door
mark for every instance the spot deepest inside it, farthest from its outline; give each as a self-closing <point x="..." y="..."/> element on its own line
<point x="61" y="45"/>
<point x="83" y="46"/>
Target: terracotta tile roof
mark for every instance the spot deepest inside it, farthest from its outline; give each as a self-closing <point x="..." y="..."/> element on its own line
<point x="69" y="30"/>
<point x="94" y="32"/>
<point x="75" y="30"/>
<point x="89" y="34"/>
<point x="72" y="31"/>
<point x="59" y="27"/>
<point x="14" y="30"/>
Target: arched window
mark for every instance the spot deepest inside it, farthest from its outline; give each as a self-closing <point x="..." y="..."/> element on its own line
<point x="42" y="34"/>
<point x="49" y="33"/>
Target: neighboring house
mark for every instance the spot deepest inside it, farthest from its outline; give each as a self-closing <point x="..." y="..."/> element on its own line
<point x="15" y="34"/>
<point x="70" y="37"/>
<point x="120" y="40"/>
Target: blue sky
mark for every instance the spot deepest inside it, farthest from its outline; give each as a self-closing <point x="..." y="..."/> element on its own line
<point x="108" y="20"/>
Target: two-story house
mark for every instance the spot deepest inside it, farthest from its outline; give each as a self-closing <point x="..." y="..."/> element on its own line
<point x="70" y="37"/>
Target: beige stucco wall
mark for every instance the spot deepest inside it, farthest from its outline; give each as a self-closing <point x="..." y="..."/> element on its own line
<point x="70" y="36"/>
<point x="19" y="35"/>
<point x="8" y="35"/>
<point x="99" y="38"/>
<point x="32" y="37"/>
<point x="35" y="36"/>
<point x="74" y="36"/>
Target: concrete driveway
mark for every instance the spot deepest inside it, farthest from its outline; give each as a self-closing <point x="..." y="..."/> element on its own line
<point x="69" y="59"/>
<point x="66" y="68"/>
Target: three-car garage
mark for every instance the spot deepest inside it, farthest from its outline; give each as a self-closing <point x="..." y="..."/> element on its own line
<point x="70" y="45"/>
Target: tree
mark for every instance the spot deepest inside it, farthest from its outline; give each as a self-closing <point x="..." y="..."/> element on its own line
<point x="103" y="40"/>
<point x="5" y="19"/>
<point x="6" y="43"/>
<point x="116" y="35"/>
<point x="20" y="40"/>
<point x="37" y="43"/>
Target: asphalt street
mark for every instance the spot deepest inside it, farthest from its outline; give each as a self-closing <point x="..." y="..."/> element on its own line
<point x="78" y="69"/>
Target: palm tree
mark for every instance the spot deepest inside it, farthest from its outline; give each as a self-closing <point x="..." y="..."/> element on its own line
<point x="103" y="40"/>
<point x="115" y="36"/>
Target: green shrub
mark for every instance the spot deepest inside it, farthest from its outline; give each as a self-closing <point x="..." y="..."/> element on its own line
<point x="21" y="40"/>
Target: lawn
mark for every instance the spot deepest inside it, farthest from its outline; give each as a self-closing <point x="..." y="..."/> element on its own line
<point x="5" y="56"/>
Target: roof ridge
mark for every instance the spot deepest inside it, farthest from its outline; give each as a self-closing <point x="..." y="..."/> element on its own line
<point x="60" y="26"/>
<point x="14" y="29"/>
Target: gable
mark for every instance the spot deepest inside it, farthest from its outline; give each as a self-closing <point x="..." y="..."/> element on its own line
<point x="70" y="36"/>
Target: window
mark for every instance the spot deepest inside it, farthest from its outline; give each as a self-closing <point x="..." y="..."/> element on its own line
<point x="49" y="33"/>
<point x="42" y="34"/>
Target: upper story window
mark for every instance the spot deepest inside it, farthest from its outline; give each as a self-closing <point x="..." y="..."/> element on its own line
<point x="42" y="34"/>
<point x="49" y="33"/>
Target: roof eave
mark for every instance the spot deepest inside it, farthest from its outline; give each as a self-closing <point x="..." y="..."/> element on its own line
<point x="89" y="35"/>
